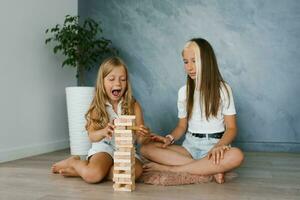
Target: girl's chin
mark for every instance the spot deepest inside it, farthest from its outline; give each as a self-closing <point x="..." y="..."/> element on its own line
<point x="115" y="98"/>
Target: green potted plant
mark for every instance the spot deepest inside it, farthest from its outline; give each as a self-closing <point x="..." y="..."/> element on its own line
<point x="80" y="44"/>
<point x="83" y="47"/>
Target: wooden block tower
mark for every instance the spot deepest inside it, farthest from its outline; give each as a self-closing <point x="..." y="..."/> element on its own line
<point x="124" y="156"/>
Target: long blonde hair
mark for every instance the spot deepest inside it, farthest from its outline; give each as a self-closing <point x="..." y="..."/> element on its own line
<point x="97" y="116"/>
<point x="208" y="79"/>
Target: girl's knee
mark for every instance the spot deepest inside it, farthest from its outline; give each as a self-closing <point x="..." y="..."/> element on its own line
<point x="236" y="156"/>
<point x="93" y="176"/>
<point x="146" y="148"/>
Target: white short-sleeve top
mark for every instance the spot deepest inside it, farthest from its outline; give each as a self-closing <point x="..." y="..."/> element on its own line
<point x="198" y="122"/>
<point x="111" y="113"/>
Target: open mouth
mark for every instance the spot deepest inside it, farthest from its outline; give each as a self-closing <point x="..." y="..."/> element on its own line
<point x="116" y="92"/>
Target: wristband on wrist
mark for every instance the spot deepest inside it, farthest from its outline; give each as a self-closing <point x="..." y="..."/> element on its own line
<point x="171" y="138"/>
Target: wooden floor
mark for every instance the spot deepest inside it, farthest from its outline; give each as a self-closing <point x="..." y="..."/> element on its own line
<point x="262" y="176"/>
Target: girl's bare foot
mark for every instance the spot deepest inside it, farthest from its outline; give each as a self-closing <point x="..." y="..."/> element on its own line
<point x="63" y="164"/>
<point x="152" y="166"/>
<point x="68" y="172"/>
<point x="219" y="178"/>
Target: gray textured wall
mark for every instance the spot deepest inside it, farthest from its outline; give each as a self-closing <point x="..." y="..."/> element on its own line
<point x="256" y="42"/>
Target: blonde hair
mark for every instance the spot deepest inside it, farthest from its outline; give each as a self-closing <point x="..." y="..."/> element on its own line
<point x="97" y="116"/>
<point x="208" y="79"/>
<point x="196" y="49"/>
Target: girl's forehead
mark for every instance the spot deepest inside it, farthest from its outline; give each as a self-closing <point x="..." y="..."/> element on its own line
<point x="189" y="52"/>
<point x="118" y="70"/>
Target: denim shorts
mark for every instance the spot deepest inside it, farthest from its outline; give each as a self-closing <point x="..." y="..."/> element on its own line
<point x="106" y="146"/>
<point x="198" y="147"/>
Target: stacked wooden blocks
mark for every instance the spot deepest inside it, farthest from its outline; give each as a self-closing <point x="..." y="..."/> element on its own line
<point x="124" y="156"/>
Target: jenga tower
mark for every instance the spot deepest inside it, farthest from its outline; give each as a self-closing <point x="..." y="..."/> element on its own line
<point x="124" y="156"/>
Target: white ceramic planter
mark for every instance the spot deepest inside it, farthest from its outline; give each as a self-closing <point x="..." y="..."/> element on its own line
<point x="78" y="102"/>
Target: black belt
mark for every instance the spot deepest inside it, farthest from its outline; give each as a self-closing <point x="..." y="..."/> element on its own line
<point x="211" y="135"/>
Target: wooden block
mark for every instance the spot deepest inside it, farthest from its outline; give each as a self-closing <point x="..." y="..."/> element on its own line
<point x="122" y="157"/>
<point x="126" y="149"/>
<point x="123" y="153"/>
<point x="131" y="135"/>
<point x="124" y="124"/>
<point x="122" y="161"/>
<point x="122" y="131"/>
<point x="124" y="187"/>
<point x="127" y="179"/>
<point x="122" y="120"/>
<point x="122" y="175"/>
<point x="124" y="167"/>
<point x="123" y="138"/>
<point x="122" y="171"/>
<point x="134" y="128"/>
<point x="124" y="145"/>
<point x="127" y="172"/>
<point x="124" y="181"/>
<point x="122" y="142"/>
<point x="120" y="128"/>
<point x="125" y="120"/>
<point x="124" y="164"/>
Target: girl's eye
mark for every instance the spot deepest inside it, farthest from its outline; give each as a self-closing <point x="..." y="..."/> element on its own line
<point x="185" y="62"/>
<point x="111" y="79"/>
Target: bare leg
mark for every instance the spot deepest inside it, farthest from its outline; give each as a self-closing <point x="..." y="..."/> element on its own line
<point x="171" y="155"/>
<point x="91" y="171"/>
<point x="232" y="159"/>
<point x="63" y="164"/>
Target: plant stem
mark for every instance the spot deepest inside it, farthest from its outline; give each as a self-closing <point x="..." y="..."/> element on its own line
<point x="80" y="74"/>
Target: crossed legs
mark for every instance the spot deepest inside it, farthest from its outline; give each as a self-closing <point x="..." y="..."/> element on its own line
<point x="177" y="159"/>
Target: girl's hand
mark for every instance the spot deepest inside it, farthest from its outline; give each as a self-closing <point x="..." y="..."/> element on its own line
<point x="108" y="131"/>
<point x="217" y="153"/>
<point x="143" y="130"/>
<point x="165" y="140"/>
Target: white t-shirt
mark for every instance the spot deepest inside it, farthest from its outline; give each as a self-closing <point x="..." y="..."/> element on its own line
<point x="198" y="123"/>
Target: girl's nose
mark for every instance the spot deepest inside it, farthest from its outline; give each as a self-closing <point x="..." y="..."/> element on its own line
<point x="189" y="66"/>
<point x="118" y="83"/>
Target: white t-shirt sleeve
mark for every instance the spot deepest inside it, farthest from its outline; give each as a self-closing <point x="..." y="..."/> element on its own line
<point x="228" y="107"/>
<point x="181" y="102"/>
